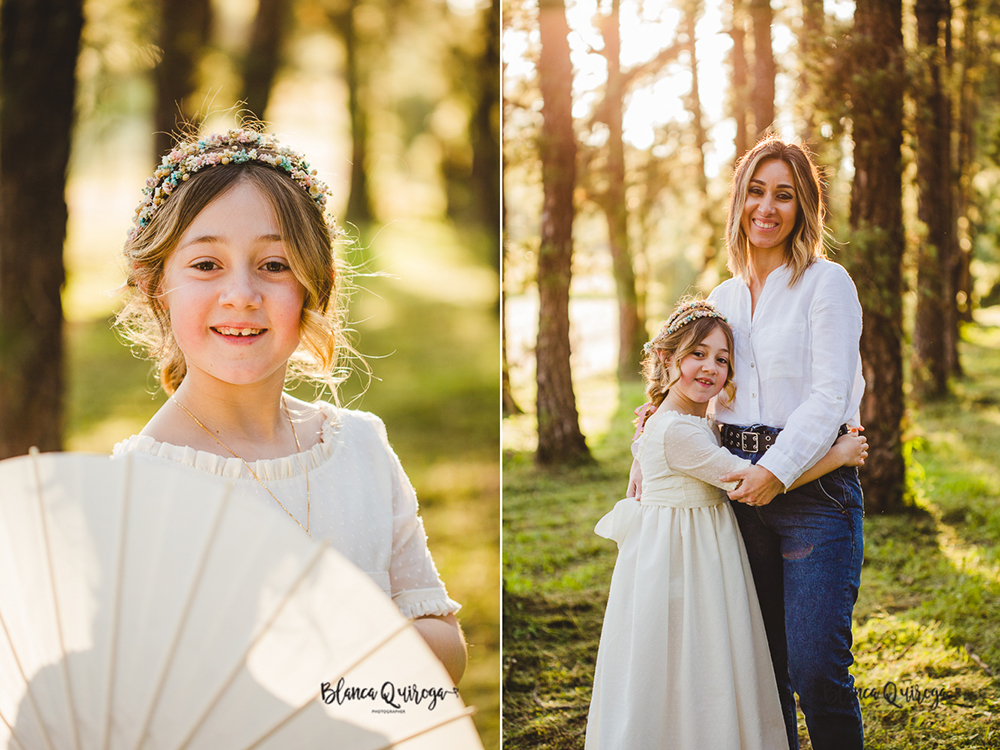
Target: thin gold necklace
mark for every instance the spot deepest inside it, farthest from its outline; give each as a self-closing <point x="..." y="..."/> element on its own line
<point x="298" y="449"/>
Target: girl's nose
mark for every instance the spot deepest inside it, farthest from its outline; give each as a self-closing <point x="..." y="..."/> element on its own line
<point x="240" y="291"/>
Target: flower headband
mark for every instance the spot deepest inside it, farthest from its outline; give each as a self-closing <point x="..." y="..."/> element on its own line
<point x="237" y="146"/>
<point x="686" y="313"/>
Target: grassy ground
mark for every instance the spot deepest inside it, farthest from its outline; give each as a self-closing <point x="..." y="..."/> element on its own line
<point x="927" y="624"/>
<point x="434" y="358"/>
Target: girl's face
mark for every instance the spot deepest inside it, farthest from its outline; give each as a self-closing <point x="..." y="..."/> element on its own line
<point x="701" y="374"/>
<point x="771" y="206"/>
<point x="234" y="304"/>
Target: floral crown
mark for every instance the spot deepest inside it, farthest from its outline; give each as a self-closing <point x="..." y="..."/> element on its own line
<point x="684" y="314"/>
<point x="238" y="146"/>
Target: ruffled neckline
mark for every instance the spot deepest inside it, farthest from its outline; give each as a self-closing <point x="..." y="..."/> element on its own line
<point x="671" y="414"/>
<point x="286" y="467"/>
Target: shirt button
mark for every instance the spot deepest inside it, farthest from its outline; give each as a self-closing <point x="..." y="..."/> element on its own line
<point x="753" y="395"/>
<point x="751" y="365"/>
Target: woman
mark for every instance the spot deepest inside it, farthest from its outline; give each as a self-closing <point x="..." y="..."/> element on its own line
<point x="797" y="324"/>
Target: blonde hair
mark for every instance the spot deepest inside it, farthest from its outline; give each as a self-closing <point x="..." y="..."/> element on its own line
<point x="309" y="240"/>
<point x="677" y="343"/>
<point x="806" y="242"/>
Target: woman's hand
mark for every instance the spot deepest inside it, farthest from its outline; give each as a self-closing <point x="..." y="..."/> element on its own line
<point x="758" y="486"/>
<point x="851" y="449"/>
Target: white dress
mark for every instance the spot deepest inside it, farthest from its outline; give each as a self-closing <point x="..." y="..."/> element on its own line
<point x="361" y="501"/>
<point x="683" y="662"/>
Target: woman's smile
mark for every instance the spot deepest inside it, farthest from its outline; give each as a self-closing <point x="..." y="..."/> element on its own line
<point x="771" y="207"/>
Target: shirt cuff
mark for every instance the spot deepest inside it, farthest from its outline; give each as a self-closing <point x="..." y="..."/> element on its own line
<point x="781" y="466"/>
<point x="425" y="602"/>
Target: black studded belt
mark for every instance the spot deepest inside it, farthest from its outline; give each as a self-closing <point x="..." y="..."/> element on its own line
<point x="753" y="439"/>
<point x="756" y="438"/>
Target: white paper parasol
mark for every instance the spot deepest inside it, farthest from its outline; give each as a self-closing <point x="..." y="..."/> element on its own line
<point x="151" y="608"/>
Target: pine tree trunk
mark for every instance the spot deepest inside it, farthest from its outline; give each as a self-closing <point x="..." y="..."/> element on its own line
<point x="263" y="59"/>
<point x="359" y="205"/>
<point x="631" y="330"/>
<point x="39" y="42"/>
<point x="763" y="65"/>
<point x="691" y="15"/>
<point x="966" y="167"/>
<point x="933" y="140"/>
<point x="953" y="336"/>
<point x="811" y="35"/>
<point x="739" y="96"/>
<point x="559" y="438"/>
<point x="877" y="241"/>
<point x="184" y="32"/>
<point x="484" y="133"/>
<point x="509" y="407"/>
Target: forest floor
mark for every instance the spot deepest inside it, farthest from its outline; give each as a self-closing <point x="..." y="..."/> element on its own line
<point x="434" y="363"/>
<point x="926" y="625"/>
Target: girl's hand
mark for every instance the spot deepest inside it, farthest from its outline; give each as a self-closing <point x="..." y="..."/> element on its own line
<point x="634" y="481"/>
<point x="852" y="448"/>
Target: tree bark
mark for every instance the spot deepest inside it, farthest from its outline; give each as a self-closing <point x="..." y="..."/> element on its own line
<point x="509" y="406"/>
<point x="359" y="204"/>
<point x="935" y="297"/>
<point x="966" y="166"/>
<point x="763" y="64"/>
<point x="39" y="42"/>
<point x="631" y="330"/>
<point x="184" y="31"/>
<point x="810" y="40"/>
<point x="484" y="133"/>
<point x="560" y="440"/>
<point x="877" y="241"/>
<point x="692" y="13"/>
<point x="263" y="58"/>
<point x="740" y="104"/>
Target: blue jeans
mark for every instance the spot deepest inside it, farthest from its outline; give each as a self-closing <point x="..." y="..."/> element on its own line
<point x="805" y="549"/>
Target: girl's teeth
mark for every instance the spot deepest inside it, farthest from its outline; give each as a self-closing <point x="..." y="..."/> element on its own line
<point x="239" y="331"/>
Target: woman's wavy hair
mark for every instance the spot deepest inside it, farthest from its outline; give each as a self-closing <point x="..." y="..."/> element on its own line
<point x="808" y="238"/>
<point x="677" y="345"/>
<point x="312" y="257"/>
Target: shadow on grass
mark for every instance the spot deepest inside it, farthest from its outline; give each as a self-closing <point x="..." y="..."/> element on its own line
<point x="557" y="573"/>
<point x="925" y="594"/>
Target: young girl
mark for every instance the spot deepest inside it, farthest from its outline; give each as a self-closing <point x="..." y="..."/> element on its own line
<point x="683" y="660"/>
<point x="233" y="288"/>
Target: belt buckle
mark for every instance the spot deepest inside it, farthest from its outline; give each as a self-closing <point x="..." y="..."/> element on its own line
<point x="743" y="442"/>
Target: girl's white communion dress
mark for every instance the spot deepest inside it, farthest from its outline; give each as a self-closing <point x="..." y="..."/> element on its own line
<point x="683" y="662"/>
<point x="362" y="502"/>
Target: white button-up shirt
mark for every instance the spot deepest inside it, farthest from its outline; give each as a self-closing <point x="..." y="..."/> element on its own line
<point x="797" y="365"/>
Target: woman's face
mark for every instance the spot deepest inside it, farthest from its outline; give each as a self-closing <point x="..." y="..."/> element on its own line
<point x="234" y="303"/>
<point x="772" y="206"/>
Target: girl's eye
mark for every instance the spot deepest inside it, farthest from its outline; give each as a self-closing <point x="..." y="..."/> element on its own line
<point x="275" y="266"/>
<point x="785" y="197"/>
<point x="205" y="265"/>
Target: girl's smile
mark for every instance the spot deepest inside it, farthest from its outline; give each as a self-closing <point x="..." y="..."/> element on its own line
<point x="701" y="375"/>
<point x="235" y="306"/>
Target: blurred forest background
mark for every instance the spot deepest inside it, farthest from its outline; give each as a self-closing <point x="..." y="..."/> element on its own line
<point x="395" y="102"/>
<point x="622" y="123"/>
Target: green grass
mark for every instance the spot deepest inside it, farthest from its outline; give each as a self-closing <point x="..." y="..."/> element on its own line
<point x="926" y="624"/>
<point x="436" y="363"/>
